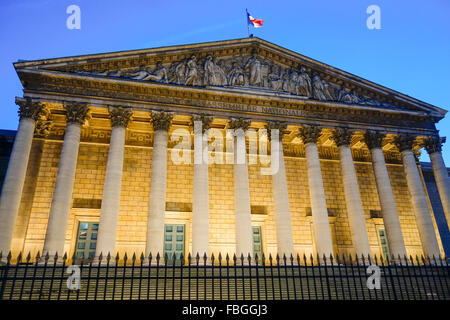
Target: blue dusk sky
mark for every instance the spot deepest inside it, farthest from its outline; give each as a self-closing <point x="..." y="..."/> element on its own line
<point x="410" y="53"/>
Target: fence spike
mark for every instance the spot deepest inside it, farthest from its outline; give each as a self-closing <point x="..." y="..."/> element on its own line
<point x="47" y="256"/>
<point x="219" y="257"/>
<point x="227" y="257"/>
<point x="181" y="256"/>
<point x="28" y="257"/>
<point x="65" y="256"/>
<point x="205" y="257"/>
<point x="242" y="258"/>
<point x="8" y="258"/>
<point x="38" y="256"/>
<point x="117" y="258"/>
<point x="212" y="257"/>
<point x="277" y="258"/>
<point x="100" y="258"/>
<point x="142" y="257"/>
<point x="19" y="257"/>
<point x="249" y="258"/>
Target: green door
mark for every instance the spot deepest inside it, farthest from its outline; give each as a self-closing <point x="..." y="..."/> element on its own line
<point x="384" y="244"/>
<point x="174" y="237"/>
<point x="257" y="242"/>
<point x="86" y="240"/>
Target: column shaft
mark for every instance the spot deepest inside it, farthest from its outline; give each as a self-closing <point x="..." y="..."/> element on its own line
<point x="353" y="201"/>
<point x="157" y="201"/>
<point x="387" y="203"/>
<point x="442" y="181"/>
<point x="420" y="205"/>
<point x="107" y="231"/>
<point x="62" y="196"/>
<point x="244" y="234"/>
<point x="14" y="181"/>
<point x="200" y="207"/>
<point x="285" y="241"/>
<point x="321" y="224"/>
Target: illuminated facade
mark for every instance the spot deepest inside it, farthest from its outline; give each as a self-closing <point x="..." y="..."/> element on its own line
<point x="93" y="167"/>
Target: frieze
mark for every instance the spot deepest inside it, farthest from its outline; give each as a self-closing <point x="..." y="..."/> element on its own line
<point x="171" y="96"/>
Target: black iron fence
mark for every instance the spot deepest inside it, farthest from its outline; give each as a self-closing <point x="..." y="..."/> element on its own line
<point x="225" y="278"/>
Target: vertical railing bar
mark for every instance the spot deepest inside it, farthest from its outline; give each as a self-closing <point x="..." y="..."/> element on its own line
<point x="55" y="260"/>
<point x="189" y="276"/>
<point x="398" y="277"/>
<point x="5" y="275"/>
<point x="338" y="261"/>
<point x="88" y="280"/>
<point x="212" y="276"/>
<point x="307" y="277"/>
<point x="81" y="278"/>
<point x="97" y="280"/>
<point x="228" y="276"/>
<point x="411" y="286"/>
<point x="279" y="276"/>
<point x="43" y="275"/>
<point x="299" y="269"/>
<point x="243" y="277"/>
<point x="263" y="261"/>
<point x="105" y="290"/>
<point x="353" y="277"/>
<point x="13" y="283"/>
<point x="439" y="287"/>
<point x="140" y="275"/>
<point x="249" y="258"/>
<point x="182" y="263"/>
<point x="27" y="261"/>
<point x="158" y="259"/>
<point x="133" y="263"/>
<point x="61" y="279"/>
<point x="173" y="275"/>
<point x="123" y="275"/>
<point x="116" y="265"/>
<point x="326" y="277"/>
<point x="149" y="274"/>
<point x="204" y="278"/>
<point x="220" y="276"/>
<point x="392" y="293"/>
<point x="165" y="275"/>
<point x="284" y="267"/>
<point x="416" y="278"/>
<point x="319" y="267"/>
<point x="424" y="277"/>
<point x="258" y="295"/>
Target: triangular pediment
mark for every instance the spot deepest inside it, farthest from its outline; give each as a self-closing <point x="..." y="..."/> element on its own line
<point x="240" y="65"/>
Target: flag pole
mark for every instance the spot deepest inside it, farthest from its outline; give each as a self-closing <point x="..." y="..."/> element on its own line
<point x="248" y="27"/>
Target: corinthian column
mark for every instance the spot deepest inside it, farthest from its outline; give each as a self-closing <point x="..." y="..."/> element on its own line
<point x="157" y="203"/>
<point x="418" y="197"/>
<point x="385" y="195"/>
<point x="285" y="242"/>
<point x="244" y="234"/>
<point x="434" y="149"/>
<point x="200" y="206"/>
<point x="76" y="115"/>
<point x="321" y="224"/>
<point x="355" y="211"/>
<point x="29" y="112"/>
<point x="107" y="230"/>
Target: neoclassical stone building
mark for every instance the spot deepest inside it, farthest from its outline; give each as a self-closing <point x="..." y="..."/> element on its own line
<point x="93" y="168"/>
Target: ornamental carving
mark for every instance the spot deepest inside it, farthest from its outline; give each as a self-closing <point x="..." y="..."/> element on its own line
<point x="239" y="123"/>
<point x="206" y="121"/>
<point x="342" y="136"/>
<point x="248" y="71"/>
<point x="404" y="142"/>
<point x="161" y="120"/>
<point x="42" y="128"/>
<point x="373" y="139"/>
<point x="280" y="126"/>
<point x="29" y="109"/>
<point x="434" y="144"/>
<point x="76" y="112"/>
<point x="309" y="134"/>
<point x="120" y="117"/>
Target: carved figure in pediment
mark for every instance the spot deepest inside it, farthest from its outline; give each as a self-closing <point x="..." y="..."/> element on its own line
<point x="236" y="75"/>
<point x="303" y="86"/>
<point x="274" y="78"/>
<point x="347" y="96"/>
<point x="318" y="88"/>
<point x="160" y="73"/>
<point x="293" y="78"/>
<point x="253" y="64"/>
<point x="116" y="73"/>
<point x="141" y="74"/>
<point x="214" y="74"/>
<point x="192" y="73"/>
<point x="178" y="71"/>
<point x="285" y="81"/>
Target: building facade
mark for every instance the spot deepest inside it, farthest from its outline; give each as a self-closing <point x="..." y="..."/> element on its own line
<point x="104" y="160"/>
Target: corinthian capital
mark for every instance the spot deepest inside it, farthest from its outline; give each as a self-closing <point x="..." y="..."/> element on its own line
<point x="434" y="144"/>
<point x="404" y="142"/>
<point x="205" y="120"/>
<point x="29" y="109"/>
<point x="161" y="120"/>
<point x="309" y="134"/>
<point x="120" y="117"/>
<point x="240" y="123"/>
<point x="76" y="112"/>
<point x="276" y="125"/>
<point x="342" y="136"/>
<point x="373" y="139"/>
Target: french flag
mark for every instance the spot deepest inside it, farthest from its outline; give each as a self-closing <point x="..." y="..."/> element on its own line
<point x="257" y="23"/>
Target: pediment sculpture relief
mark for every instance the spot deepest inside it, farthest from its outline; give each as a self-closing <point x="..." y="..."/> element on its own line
<point x="252" y="71"/>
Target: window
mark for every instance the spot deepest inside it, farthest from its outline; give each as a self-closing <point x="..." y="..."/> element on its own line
<point x="174" y="236"/>
<point x="384" y="244"/>
<point x="86" y="240"/>
<point x="257" y="242"/>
